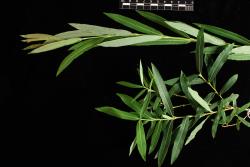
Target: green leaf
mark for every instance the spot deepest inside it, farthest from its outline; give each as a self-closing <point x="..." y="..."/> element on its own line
<point x="132" y="147"/>
<point x="33" y="46"/>
<point x="162" y="90"/>
<point x="151" y="129"/>
<point x="165" y="143"/>
<point x="145" y="104"/>
<point x="224" y="33"/>
<point x="244" y="121"/>
<point x="129" y="85"/>
<point x="243" y="108"/>
<point x="215" y="124"/>
<point x="171" y="82"/>
<point x="140" y="94"/>
<point x="133" y="24"/>
<point x="130" y="102"/>
<point x="161" y="21"/>
<point x="131" y="116"/>
<point x="155" y="137"/>
<point x="130" y="41"/>
<point x="198" y="99"/>
<point x="141" y="140"/>
<point x="228" y="85"/>
<point x="199" y="51"/>
<point x="141" y="74"/>
<point x="166" y="41"/>
<point x="55" y="45"/>
<point x="175" y="89"/>
<point x="219" y="62"/>
<point x="86" y="45"/>
<point x="239" y="57"/>
<point x="194" y="32"/>
<point x="195" y="131"/>
<point x="179" y="140"/>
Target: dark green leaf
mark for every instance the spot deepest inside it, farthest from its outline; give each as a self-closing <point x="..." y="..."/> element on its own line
<point x="229" y="84"/>
<point x="179" y="140"/>
<point x="199" y="51"/>
<point x="86" y="45"/>
<point x="133" y="24"/>
<point x="131" y="116"/>
<point x="162" y="91"/>
<point x="130" y="41"/>
<point x="198" y="99"/>
<point x="194" y="32"/>
<point x="171" y="82"/>
<point x="161" y="21"/>
<point x="129" y="85"/>
<point x="145" y="104"/>
<point x="175" y="89"/>
<point x="195" y="131"/>
<point x="155" y="137"/>
<point x="55" y="45"/>
<point x="141" y="140"/>
<point x="151" y="129"/>
<point x="215" y="124"/>
<point x="165" y="143"/>
<point x="219" y="62"/>
<point x="130" y="102"/>
<point x="140" y="94"/>
<point x="225" y="33"/>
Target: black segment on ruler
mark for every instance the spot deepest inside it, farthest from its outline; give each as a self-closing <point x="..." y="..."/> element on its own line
<point x="175" y="5"/>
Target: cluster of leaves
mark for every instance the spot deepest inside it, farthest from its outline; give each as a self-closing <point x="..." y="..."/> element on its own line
<point x="159" y="125"/>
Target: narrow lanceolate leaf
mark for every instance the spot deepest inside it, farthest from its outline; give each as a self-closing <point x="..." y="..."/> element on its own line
<point x="239" y="57"/>
<point x="243" y="108"/>
<point x="225" y="33"/>
<point x="130" y="102"/>
<point x="199" y="51"/>
<point x="36" y="37"/>
<point x="86" y="45"/>
<point x="141" y="74"/>
<point x="179" y="140"/>
<point x="141" y="140"/>
<point x="229" y="84"/>
<point x="130" y="41"/>
<point x="245" y="122"/>
<point x="131" y="116"/>
<point x="145" y="104"/>
<point x="55" y="45"/>
<point x="198" y="99"/>
<point x="167" y="41"/>
<point x="215" y="124"/>
<point x="129" y="85"/>
<point x="155" y="137"/>
<point x="219" y="62"/>
<point x="194" y="32"/>
<point x="133" y="24"/>
<point x="161" y="21"/>
<point x="194" y="132"/>
<point x="94" y="30"/>
<point x="171" y="82"/>
<point x="132" y="147"/>
<point x="151" y="129"/>
<point x="162" y="91"/>
<point x="165" y="143"/>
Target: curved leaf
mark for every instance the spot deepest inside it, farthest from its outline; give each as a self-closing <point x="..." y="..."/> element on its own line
<point x="224" y="33"/>
<point x="219" y="62"/>
<point x="229" y="84"/>
<point x="131" y="116"/>
<point x="130" y="41"/>
<point x="133" y="24"/>
<point x="55" y="45"/>
<point x="179" y="140"/>
<point x="141" y="140"/>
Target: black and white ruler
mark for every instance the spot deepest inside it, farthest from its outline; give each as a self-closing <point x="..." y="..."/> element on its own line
<point x="175" y="5"/>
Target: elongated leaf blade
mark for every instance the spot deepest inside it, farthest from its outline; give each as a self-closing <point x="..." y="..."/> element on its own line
<point x="130" y="102"/>
<point x="141" y="140"/>
<point x="141" y="74"/>
<point x="199" y="51"/>
<point x="132" y="147"/>
<point x="145" y="104"/>
<point x="151" y="129"/>
<point x="224" y="33"/>
<point x="164" y="94"/>
<point x="198" y="99"/>
<point x="243" y="108"/>
<point x="133" y="24"/>
<point x="129" y="85"/>
<point x="166" y="41"/>
<point x="179" y="140"/>
<point x="239" y="57"/>
<point x="55" y="45"/>
<point x="130" y="41"/>
<point x="244" y="121"/>
<point x="155" y="137"/>
<point x="215" y="124"/>
<point x="195" y="131"/>
<point x="131" y="116"/>
<point x="165" y="143"/>
<point x="86" y="45"/>
<point x="228" y="85"/>
<point x="194" y="32"/>
<point x="219" y="62"/>
<point x="161" y="21"/>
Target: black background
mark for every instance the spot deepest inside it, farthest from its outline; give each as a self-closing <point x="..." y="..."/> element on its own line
<point x="49" y="120"/>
